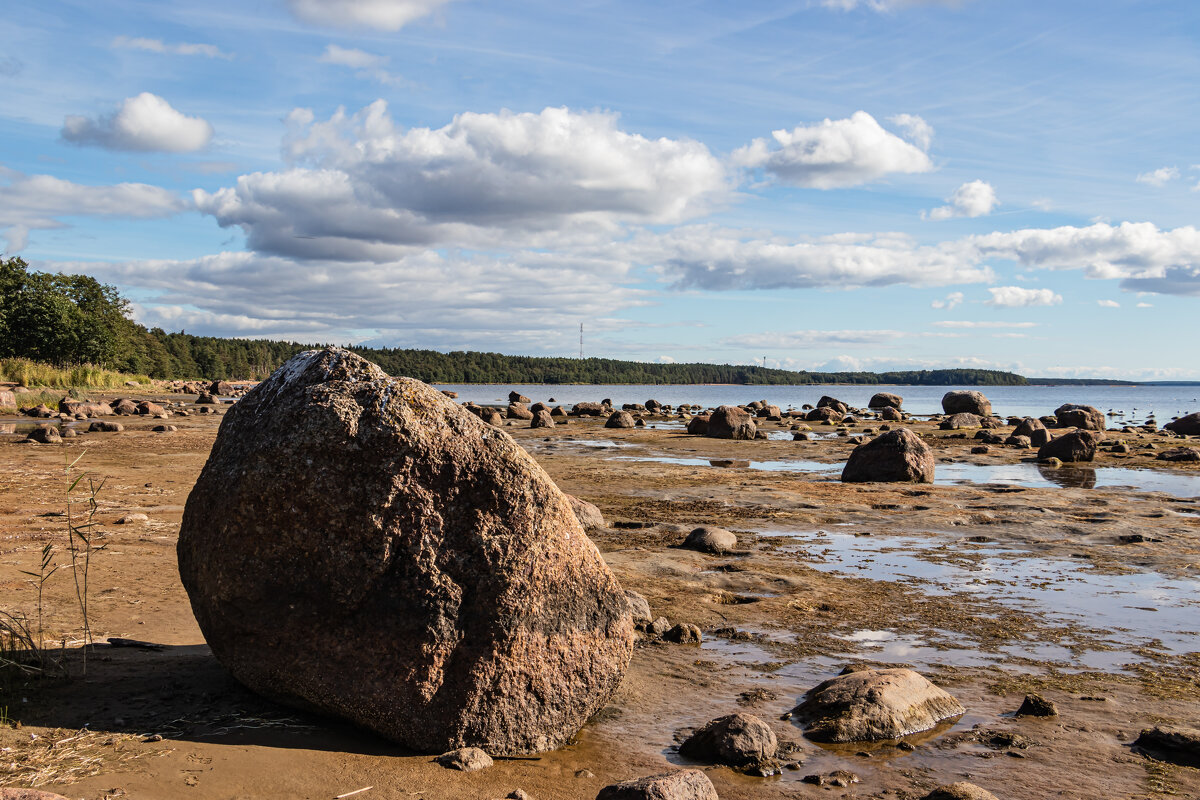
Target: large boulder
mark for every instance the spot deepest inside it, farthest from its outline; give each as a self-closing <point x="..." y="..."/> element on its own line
<point x="619" y="419"/>
<point x="834" y="403"/>
<point x="517" y="397"/>
<point x="1188" y="426"/>
<point x="824" y="414"/>
<point x="966" y="401"/>
<point x="518" y="411"/>
<point x="1034" y="429"/>
<point x="891" y="414"/>
<point x="360" y="545"/>
<point x="738" y="740"/>
<point x="885" y="400"/>
<point x="45" y="434"/>
<point x="8" y="399"/>
<point x="542" y="419"/>
<point x="1086" y="418"/>
<point x="874" y="704"/>
<point x="684" y="784"/>
<point x="731" y="422"/>
<point x="84" y="407"/>
<point x="588" y="410"/>
<point x="1073" y="446"/>
<point x="961" y="420"/>
<point x="698" y="425"/>
<point x="220" y="388"/>
<point x="898" y="456"/>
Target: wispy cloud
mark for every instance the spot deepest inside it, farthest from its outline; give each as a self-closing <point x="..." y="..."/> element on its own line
<point x="1159" y="177"/>
<point x="178" y="48"/>
<point x="951" y="300"/>
<point x="982" y="324"/>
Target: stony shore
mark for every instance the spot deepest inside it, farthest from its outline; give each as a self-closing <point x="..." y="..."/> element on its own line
<point x="979" y="586"/>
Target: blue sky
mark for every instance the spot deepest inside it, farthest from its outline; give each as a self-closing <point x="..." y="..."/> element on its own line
<point x="866" y="184"/>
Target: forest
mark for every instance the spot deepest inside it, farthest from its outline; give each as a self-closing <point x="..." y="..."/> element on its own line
<point x="67" y="320"/>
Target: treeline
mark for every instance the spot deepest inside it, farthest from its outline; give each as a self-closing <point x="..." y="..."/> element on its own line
<point x="73" y="319"/>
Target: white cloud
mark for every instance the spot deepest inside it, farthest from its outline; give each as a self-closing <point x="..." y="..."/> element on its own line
<point x="1145" y="305"/>
<point x="363" y="188"/>
<point x="38" y="202"/>
<point x="834" y="153"/>
<point x="146" y="123"/>
<point x="1159" y="177"/>
<point x="178" y="49"/>
<point x="1017" y="297"/>
<point x="666" y="360"/>
<point x="1108" y="304"/>
<point x="887" y="5"/>
<point x="982" y="324"/>
<point x="953" y="299"/>
<point x="915" y="129"/>
<point x="386" y="15"/>
<point x="973" y="199"/>
<point x="795" y="340"/>
<point x="369" y="65"/>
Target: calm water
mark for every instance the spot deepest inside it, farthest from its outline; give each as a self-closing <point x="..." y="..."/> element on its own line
<point x="1136" y="402"/>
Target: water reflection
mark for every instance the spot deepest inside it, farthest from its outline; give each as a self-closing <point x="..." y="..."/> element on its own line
<point x="1069" y="477"/>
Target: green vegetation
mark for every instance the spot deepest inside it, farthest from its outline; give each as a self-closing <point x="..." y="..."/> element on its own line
<point x="26" y="372"/>
<point x="67" y="320"/>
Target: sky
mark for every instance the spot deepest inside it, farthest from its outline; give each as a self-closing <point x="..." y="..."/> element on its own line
<point x="820" y="184"/>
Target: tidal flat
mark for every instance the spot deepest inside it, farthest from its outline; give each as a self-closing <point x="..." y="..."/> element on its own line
<point x="1002" y="578"/>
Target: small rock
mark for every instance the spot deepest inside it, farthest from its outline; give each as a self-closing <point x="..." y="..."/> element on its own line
<point x="467" y="759"/>
<point x="710" y="539"/>
<point x="688" y="784"/>
<point x="737" y="740"/>
<point x="1037" y="706"/>
<point x="960" y="791"/>
<point x="684" y="633"/>
<point x="659" y="626"/>
<point x="639" y="607"/>
<point x="130" y="519"/>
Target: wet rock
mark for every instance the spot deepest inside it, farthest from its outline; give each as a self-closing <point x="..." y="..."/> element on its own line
<point x="442" y="587"/>
<point x="68" y="433"/>
<point x="731" y="422"/>
<point x="639" y="608"/>
<point x="45" y="434"/>
<point x="873" y="704"/>
<point x="1071" y="447"/>
<point x="1087" y="418"/>
<point x="966" y="402"/>
<point x="1050" y="462"/>
<point x="467" y="759"/>
<point x="1188" y="426"/>
<point x="687" y="784"/>
<point x="960" y="791"/>
<point x="1178" y="745"/>
<point x="737" y="740"/>
<point x="885" y="400"/>
<point x="1035" y="705"/>
<point x="684" y="633"/>
<point x="698" y="425"/>
<point x="839" y="777"/>
<point x="1183" y="454"/>
<point x="898" y="456"/>
<point x="959" y="421"/>
<point x="542" y="419"/>
<point x="619" y="419"/>
<point x="518" y="411"/>
<point x="105" y="426"/>
<point x="711" y="539"/>
<point x="980" y="450"/>
<point x="517" y="397"/>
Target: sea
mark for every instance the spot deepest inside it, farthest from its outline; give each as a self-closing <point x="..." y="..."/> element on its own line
<point x="1127" y="404"/>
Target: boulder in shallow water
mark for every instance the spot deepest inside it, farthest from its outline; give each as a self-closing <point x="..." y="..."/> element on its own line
<point x="885" y="400"/>
<point x="1073" y="446"/>
<point x="360" y="545"/>
<point x="874" y="704"/>
<point x="1086" y="418"/>
<point x="1188" y="426"/>
<point x="898" y="456"/>
<point x="966" y="402"/>
<point x="737" y="740"/>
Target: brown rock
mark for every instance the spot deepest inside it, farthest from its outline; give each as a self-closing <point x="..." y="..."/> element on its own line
<point x="1073" y="446"/>
<point x="968" y="402"/>
<point x="204" y="398"/>
<point x="885" y="400"/>
<point x="639" y="607"/>
<point x="40" y="411"/>
<point x="738" y="740"/>
<point x="588" y="515"/>
<point x="1086" y="418"/>
<point x="824" y="414"/>
<point x="1019" y="442"/>
<point x="442" y="588"/>
<point x="1188" y="426"/>
<point x="898" y="456"/>
<point x="1178" y="745"/>
<point x="698" y="425"/>
<point x="517" y="397"/>
<point x="687" y="784"/>
<point x="588" y="410"/>
<point x="834" y="403"/>
<point x="684" y="633"/>
<point x="619" y="419"/>
<point x="149" y="409"/>
<point x="7" y="399"/>
<point x="518" y="411"/>
<point x="959" y="421"/>
<point x="542" y="419"/>
<point x="891" y="414"/>
<point x="1184" y="454"/>
<point x="1034" y="705"/>
<point x="467" y="759"/>
<point x="710" y="539"/>
<point x="731" y="422"/>
<point x="960" y="791"/>
<point x="45" y="434"/>
<point x="104" y="426"/>
<point x="873" y="704"/>
<point x="220" y="388"/>
<point x="87" y="409"/>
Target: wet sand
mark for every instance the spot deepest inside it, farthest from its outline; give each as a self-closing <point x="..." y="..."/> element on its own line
<point x="992" y="588"/>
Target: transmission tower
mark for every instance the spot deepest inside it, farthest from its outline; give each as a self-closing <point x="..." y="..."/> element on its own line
<point x="581" y="341"/>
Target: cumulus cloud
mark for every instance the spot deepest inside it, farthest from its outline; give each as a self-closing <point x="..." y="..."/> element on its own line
<point x="385" y="15"/>
<point x="953" y="299"/>
<point x="177" y="49"/>
<point x="915" y="129"/>
<point x="836" y="153"/>
<point x="362" y="188"/>
<point x="1017" y="297"/>
<point x="973" y="199"/>
<point x="145" y="123"/>
<point x="953" y="323"/>
<point x="1159" y="177"/>
<point x="39" y="202"/>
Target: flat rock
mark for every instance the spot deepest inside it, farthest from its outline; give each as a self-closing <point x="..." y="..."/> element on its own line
<point x="686" y="784"/>
<point x="873" y="704"/>
<point x="442" y="587"/>
<point x="737" y="740"/>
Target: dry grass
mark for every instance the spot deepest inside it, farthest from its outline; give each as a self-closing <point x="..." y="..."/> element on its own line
<point x="84" y="376"/>
<point x="62" y="757"/>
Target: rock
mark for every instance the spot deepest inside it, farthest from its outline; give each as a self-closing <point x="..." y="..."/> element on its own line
<point x="1178" y="745"/>
<point x="68" y="433"/>
<point x="710" y="539"/>
<point x="687" y="784"/>
<point x="1034" y="429"/>
<point x="891" y="414"/>
<point x="204" y="398"/>
<point x="959" y="421"/>
<point x="825" y="414"/>
<point x="45" y="434"/>
<point x="149" y="409"/>
<point x="588" y="515"/>
<point x="164" y="428"/>
<point x="517" y="397"/>
<point x="40" y="411"/>
<point x="518" y="794"/>
<point x="1035" y="705"/>
<point x="536" y="407"/>
<point x="382" y="556"/>
<point x="1019" y="442"/>
<point x="1074" y="446"/>
<point x="653" y="406"/>
<point x="467" y="759"/>
<point x="731" y="422"/>
<point x="980" y="450"/>
<point x="968" y="402"/>
<point x="885" y="400"/>
<point x="588" y="410"/>
<point x="898" y="456"/>
<point x="104" y="426"/>
<point x="542" y="419"/>
<point x="1188" y="426"/>
<point x="8" y="399"/>
<point x="737" y="740"/>
<point x="1086" y="418"/>
<point x="131" y="519"/>
<point x="518" y="411"/>
<point x="87" y="409"/>
<point x="659" y="626"/>
<point x="960" y="791"/>
<point x="834" y="403"/>
<point x="684" y="633"/>
<point x="12" y="793"/>
<point x="558" y="413"/>
<point x="492" y="417"/>
<point x="1050" y="462"/>
<point x="1183" y="454"/>
<point x="639" y="607"/>
<point x="873" y="704"/>
<point x="800" y="436"/>
<point x="619" y="419"/>
<point x="450" y="394"/>
<point x="698" y="425"/>
<point x="220" y="388"/>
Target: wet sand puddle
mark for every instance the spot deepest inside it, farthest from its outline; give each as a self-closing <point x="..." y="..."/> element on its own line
<point x="1130" y="610"/>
